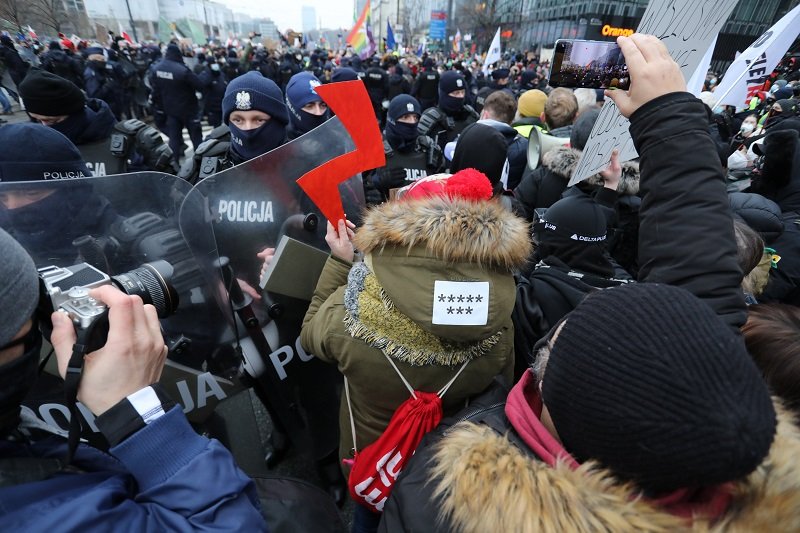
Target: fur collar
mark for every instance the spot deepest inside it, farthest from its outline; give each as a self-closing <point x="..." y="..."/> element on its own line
<point x="485" y="483"/>
<point x="452" y="230"/>
<point x="563" y="161"/>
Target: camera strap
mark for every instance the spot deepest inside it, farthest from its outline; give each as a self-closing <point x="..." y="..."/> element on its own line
<point x="72" y="381"/>
<point x="87" y="340"/>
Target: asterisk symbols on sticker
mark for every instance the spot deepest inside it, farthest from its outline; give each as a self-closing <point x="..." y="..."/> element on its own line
<point x="479" y="299"/>
<point x="460" y="310"/>
<point x="450" y="310"/>
<point x="451" y="298"/>
<point x="470" y="299"/>
<point x="469" y="310"/>
<point x="441" y="297"/>
<point x="460" y="298"/>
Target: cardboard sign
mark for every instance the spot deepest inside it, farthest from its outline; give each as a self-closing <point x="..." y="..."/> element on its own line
<point x="687" y="28"/>
<point x="351" y="103"/>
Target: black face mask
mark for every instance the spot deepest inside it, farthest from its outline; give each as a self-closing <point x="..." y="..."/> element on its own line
<point x="17" y="378"/>
<point x="248" y="144"/>
<point x="73" y="126"/>
<point x="450" y="104"/>
<point x="304" y="121"/>
<point x="401" y="136"/>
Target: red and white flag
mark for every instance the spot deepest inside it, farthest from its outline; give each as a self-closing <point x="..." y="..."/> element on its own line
<point x="31" y="32"/>
<point x="124" y="34"/>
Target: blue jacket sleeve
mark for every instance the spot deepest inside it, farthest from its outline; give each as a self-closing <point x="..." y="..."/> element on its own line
<point x="186" y="482"/>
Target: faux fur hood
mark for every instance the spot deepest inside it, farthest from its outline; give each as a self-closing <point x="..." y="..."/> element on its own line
<point x="453" y="231"/>
<point x="563" y="161"/>
<point x="485" y="483"/>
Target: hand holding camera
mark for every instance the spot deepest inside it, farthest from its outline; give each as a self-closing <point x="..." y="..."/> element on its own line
<point x="131" y="359"/>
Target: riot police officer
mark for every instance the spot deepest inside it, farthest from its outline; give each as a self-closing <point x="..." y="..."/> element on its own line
<point x="444" y="122"/>
<point x="427" y="85"/>
<point x="255" y="119"/>
<point x="306" y="108"/>
<point x="174" y="86"/>
<point x="409" y="155"/>
<point x="107" y="146"/>
<point x="377" y="83"/>
<point x="61" y="63"/>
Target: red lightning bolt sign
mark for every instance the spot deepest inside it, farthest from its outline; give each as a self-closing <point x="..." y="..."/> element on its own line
<point x="351" y="103"/>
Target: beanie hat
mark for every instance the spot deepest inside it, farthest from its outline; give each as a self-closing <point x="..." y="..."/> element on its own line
<point x="450" y="81"/>
<point x="19" y="292"/>
<point x="56" y="157"/>
<point x="94" y="49"/>
<point x="254" y="91"/>
<point x="468" y="184"/>
<point x="481" y="147"/>
<point x="173" y="53"/>
<point x="500" y="73"/>
<point x="402" y="104"/>
<point x="54" y="45"/>
<point x="531" y="103"/>
<point x="650" y="382"/>
<point x="343" y="74"/>
<point x="301" y="90"/>
<point x="527" y="77"/>
<point x="583" y="128"/>
<point x="577" y="217"/>
<point x="45" y="93"/>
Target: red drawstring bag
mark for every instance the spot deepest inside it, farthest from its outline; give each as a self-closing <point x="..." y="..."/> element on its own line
<point x="374" y="469"/>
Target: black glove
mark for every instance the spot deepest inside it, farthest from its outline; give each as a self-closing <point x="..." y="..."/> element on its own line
<point x="372" y="195"/>
<point x="391" y="178"/>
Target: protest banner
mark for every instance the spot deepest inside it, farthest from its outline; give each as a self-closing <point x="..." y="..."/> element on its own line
<point x="687" y="28"/>
<point x="748" y="72"/>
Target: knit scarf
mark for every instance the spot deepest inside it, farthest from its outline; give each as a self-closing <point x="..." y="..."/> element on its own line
<point x="371" y="316"/>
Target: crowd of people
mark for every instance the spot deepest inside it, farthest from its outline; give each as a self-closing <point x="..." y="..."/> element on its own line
<point x="621" y="354"/>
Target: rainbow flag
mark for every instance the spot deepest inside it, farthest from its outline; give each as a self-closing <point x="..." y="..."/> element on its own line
<point x="360" y="37"/>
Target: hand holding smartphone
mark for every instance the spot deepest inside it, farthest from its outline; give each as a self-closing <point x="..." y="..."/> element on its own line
<point x="589" y="64"/>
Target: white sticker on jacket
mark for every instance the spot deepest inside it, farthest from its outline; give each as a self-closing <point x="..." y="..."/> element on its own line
<point x="460" y="303"/>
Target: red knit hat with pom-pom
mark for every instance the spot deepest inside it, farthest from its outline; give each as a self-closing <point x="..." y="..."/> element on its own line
<point x="468" y="184"/>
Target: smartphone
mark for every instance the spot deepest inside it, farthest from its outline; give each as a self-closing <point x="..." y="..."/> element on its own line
<point x="589" y="64"/>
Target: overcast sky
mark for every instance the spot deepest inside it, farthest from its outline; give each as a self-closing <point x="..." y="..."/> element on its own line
<point x="286" y="13"/>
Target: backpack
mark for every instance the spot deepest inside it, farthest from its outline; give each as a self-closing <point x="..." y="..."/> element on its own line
<point x="374" y="469"/>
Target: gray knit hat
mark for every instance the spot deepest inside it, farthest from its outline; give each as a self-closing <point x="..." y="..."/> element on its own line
<point x="648" y="381"/>
<point x="19" y="291"/>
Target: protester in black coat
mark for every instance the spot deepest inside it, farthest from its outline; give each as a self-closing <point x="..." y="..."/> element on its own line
<point x="779" y="177"/>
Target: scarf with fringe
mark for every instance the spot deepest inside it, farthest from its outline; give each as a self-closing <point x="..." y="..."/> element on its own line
<point x="372" y="317"/>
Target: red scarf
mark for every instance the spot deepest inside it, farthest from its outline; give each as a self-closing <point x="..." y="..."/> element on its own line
<point x="524" y="410"/>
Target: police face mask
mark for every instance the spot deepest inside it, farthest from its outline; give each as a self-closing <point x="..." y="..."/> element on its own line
<point x="46" y="227"/>
<point x="249" y="144"/>
<point x="17" y="378"/>
<point x="401" y="136"/>
<point x="304" y="121"/>
<point x="450" y="104"/>
<point x="73" y="126"/>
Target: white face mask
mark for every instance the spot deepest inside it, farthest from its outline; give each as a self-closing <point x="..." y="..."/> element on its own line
<point x="748" y="127"/>
<point x="737" y="161"/>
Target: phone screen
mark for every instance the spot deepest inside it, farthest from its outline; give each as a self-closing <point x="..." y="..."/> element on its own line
<point x="589" y="64"/>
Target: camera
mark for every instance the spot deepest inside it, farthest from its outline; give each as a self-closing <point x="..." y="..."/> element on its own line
<point x="67" y="289"/>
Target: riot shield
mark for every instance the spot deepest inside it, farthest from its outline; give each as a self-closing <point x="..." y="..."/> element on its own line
<point x="252" y="207"/>
<point x="117" y="223"/>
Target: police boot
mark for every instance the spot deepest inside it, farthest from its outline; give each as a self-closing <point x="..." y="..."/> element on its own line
<point x="331" y="476"/>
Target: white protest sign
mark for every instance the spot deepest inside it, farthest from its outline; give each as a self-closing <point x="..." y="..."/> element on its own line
<point x="687" y="28"/>
<point x="748" y="72"/>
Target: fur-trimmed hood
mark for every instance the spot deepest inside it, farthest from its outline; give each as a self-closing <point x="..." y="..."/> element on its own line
<point x="563" y="161"/>
<point x="485" y="483"/>
<point x="413" y="245"/>
<point x="451" y="230"/>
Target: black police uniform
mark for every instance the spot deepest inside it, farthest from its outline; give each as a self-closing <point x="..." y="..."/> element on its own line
<point x="426" y="88"/>
<point x="443" y="128"/>
<point x="174" y="86"/>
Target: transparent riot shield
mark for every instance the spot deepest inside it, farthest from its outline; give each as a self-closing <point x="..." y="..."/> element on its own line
<point x="116" y="224"/>
<point x="252" y="207"/>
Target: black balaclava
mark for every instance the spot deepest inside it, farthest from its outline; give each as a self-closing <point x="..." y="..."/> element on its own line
<point x="450" y="81"/>
<point x="248" y="144"/>
<point x="401" y="136"/>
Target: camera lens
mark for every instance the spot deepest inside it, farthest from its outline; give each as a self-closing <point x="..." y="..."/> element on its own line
<point x="151" y="282"/>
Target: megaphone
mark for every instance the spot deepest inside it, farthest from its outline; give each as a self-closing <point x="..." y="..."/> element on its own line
<point x="539" y="144"/>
